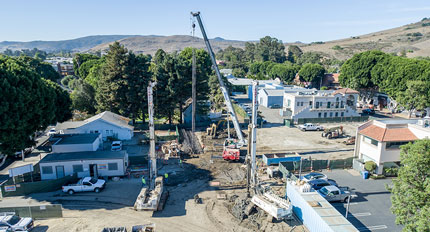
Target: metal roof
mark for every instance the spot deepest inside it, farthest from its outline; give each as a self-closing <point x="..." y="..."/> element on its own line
<point x="64" y="139"/>
<point x="107" y="116"/>
<point x="85" y="155"/>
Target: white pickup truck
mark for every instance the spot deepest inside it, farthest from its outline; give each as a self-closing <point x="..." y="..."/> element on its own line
<point x="311" y="127"/>
<point x="12" y="222"/>
<point x="333" y="193"/>
<point x="86" y="184"/>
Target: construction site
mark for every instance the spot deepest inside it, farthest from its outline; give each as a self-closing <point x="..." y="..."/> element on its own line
<point x="208" y="179"/>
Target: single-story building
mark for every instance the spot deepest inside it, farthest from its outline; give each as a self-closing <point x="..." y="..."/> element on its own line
<point x="107" y="123"/>
<point x="380" y="141"/>
<point x="76" y="142"/>
<point x="270" y="97"/>
<point x="93" y="163"/>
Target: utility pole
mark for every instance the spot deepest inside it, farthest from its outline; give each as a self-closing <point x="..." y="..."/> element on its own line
<point x="193" y="74"/>
<point x="254" y="133"/>
<point x="152" y="155"/>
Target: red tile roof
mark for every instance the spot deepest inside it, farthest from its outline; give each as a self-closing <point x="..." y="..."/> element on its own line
<point x="346" y="91"/>
<point x="388" y="134"/>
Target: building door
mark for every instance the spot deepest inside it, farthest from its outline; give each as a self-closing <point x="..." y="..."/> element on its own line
<point x="93" y="170"/>
<point x="60" y="171"/>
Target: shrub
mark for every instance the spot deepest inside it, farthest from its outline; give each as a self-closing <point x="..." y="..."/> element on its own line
<point x="370" y="166"/>
<point x="337" y="47"/>
<point x="425" y="24"/>
<point x="375" y="177"/>
<point x="324" y="88"/>
<point x="393" y="171"/>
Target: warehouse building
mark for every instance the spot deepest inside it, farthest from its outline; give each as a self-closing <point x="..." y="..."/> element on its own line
<point x="76" y="142"/>
<point x="94" y="164"/>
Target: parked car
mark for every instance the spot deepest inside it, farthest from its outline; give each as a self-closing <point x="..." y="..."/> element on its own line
<point x="275" y="106"/>
<point x="116" y="146"/>
<point x="420" y="114"/>
<point x="368" y="111"/>
<point x="333" y="193"/>
<point x="27" y="151"/>
<point x="7" y="229"/>
<point x="319" y="183"/>
<point x="314" y="176"/>
<point x="311" y="127"/>
<point x="86" y="184"/>
<point x="52" y="131"/>
<point x="16" y="223"/>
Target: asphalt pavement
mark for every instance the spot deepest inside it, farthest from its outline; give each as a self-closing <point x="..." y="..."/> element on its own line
<point x="369" y="210"/>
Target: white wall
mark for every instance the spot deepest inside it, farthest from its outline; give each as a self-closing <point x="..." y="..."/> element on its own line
<point x="101" y="126"/>
<point x="68" y="168"/>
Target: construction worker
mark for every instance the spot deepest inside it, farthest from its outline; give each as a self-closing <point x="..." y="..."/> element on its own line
<point x="166" y="176"/>
<point x="180" y="163"/>
<point x="143" y="181"/>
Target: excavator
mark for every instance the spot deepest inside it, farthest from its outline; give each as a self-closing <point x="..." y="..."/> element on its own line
<point x="231" y="146"/>
<point x="332" y="133"/>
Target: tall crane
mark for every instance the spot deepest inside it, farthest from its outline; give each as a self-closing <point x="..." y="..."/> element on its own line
<point x="224" y="91"/>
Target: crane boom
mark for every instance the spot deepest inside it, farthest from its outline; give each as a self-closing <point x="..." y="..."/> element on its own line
<point x="224" y="91"/>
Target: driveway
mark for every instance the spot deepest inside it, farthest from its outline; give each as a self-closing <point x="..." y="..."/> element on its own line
<point x="272" y="116"/>
<point x="370" y="209"/>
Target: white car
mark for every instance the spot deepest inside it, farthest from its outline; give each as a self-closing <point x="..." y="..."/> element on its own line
<point x="16" y="223"/>
<point x="86" y="184"/>
<point x="314" y="176"/>
<point x="52" y="131"/>
<point x="116" y="146"/>
<point x="311" y="127"/>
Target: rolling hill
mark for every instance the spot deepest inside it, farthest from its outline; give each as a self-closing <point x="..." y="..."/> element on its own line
<point x="150" y="44"/>
<point x="78" y="45"/>
<point x="413" y="38"/>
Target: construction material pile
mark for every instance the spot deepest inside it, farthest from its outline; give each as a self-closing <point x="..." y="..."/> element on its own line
<point x="171" y="149"/>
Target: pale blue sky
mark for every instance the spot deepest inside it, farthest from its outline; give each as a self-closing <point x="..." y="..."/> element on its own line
<point x="300" y="20"/>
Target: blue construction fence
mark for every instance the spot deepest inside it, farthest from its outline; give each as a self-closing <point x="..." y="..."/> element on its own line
<point x="286" y="168"/>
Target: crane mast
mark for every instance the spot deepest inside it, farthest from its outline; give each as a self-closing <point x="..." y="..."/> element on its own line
<point x="224" y="91"/>
<point x="152" y="156"/>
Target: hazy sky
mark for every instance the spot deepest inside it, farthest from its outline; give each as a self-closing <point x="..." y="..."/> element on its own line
<point x="299" y="20"/>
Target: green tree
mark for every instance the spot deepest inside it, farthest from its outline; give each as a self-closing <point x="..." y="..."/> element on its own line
<point x="312" y="72"/>
<point x="416" y="96"/>
<point x="29" y="103"/>
<point x="83" y="97"/>
<point x="81" y="58"/>
<point x="44" y="69"/>
<point x="411" y="189"/>
<point x="286" y="72"/>
<point x="163" y="70"/>
<point x="270" y="49"/>
<point x="122" y="85"/>
<point x="294" y="53"/>
<point x="85" y="67"/>
<point x="310" y="58"/>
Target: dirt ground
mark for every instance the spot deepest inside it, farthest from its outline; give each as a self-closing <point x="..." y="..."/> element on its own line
<point x="92" y="212"/>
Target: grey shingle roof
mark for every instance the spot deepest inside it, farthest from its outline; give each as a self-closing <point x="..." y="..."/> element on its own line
<point x="76" y="138"/>
<point x="106" y="116"/>
<point x="85" y="155"/>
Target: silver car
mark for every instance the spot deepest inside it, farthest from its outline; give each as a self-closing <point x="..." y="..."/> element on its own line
<point x="16" y="223"/>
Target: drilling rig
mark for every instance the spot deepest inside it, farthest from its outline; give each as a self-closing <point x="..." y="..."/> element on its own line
<point x="149" y="198"/>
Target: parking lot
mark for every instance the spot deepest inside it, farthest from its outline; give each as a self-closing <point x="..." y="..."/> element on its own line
<point x="370" y="209"/>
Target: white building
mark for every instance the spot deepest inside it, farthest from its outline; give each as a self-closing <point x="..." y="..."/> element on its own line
<point x="379" y="141"/>
<point x="107" y="123"/>
<point x="94" y="164"/>
<point x="76" y="142"/>
<point x="320" y="104"/>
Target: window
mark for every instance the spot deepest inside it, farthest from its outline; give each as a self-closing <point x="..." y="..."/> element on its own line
<point x="289" y="102"/>
<point x="107" y="132"/>
<point x="112" y="166"/>
<point x="331" y="114"/>
<point x="96" y="131"/>
<point x="310" y="103"/>
<point x="341" y="104"/>
<point x="394" y="145"/>
<point x="328" y="104"/>
<point x="319" y="115"/>
<point x="301" y="103"/>
<point x="318" y="105"/>
<point x="78" y="168"/>
<point x="325" y="115"/>
<point x="341" y="114"/>
<point x="370" y="140"/>
<point x="298" y="103"/>
<point x="337" y="104"/>
<point x="47" y="170"/>
<point x="336" y="114"/>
